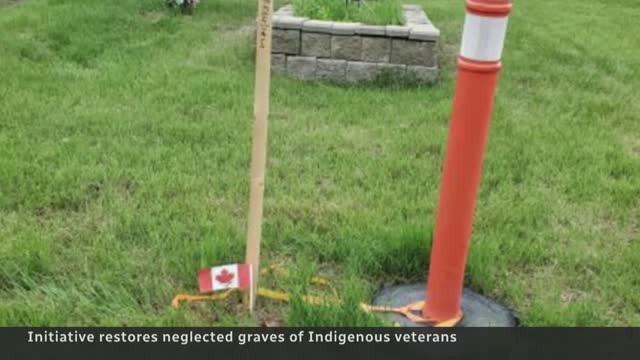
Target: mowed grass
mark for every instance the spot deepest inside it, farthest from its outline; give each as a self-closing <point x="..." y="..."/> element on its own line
<point x="125" y="132"/>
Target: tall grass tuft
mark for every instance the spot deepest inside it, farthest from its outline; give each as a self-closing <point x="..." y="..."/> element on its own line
<point x="374" y="12"/>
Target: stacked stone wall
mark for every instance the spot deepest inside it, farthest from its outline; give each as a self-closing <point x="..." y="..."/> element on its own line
<point x="310" y="49"/>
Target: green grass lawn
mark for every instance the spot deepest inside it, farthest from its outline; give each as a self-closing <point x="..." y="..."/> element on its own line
<point x="125" y="133"/>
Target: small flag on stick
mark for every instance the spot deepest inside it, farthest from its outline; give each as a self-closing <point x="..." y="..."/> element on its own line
<point x="234" y="276"/>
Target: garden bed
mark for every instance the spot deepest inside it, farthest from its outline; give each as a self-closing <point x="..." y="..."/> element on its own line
<point x="311" y="49"/>
<point x="371" y="12"/>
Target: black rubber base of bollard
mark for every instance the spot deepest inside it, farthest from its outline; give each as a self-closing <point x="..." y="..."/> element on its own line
<point x="478" y="310"/>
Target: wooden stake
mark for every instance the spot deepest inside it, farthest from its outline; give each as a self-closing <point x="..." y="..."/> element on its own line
<point x="259" y="148"/>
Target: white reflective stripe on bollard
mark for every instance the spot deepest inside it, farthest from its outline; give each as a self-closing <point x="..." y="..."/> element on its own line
<point x="483" y="37"/>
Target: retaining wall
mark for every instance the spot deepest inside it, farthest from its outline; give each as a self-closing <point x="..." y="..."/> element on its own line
<point x="327" y="50"/>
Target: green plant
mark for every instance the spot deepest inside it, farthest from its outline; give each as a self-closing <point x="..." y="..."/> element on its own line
<point x="374" y="12"/>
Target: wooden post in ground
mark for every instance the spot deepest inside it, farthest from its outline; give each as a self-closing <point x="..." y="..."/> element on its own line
<point x="259" y="148"/>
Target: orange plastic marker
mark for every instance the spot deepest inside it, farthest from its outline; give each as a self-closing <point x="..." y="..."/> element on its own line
<point x="478" y="68"/>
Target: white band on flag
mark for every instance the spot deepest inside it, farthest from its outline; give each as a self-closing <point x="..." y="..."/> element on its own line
<point x="483" y="37"/>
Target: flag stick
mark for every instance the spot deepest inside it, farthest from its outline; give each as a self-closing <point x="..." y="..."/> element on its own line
<point x="259" y="148"/>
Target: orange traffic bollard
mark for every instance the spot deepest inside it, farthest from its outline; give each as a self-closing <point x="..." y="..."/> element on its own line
<point x="478" y="68"/>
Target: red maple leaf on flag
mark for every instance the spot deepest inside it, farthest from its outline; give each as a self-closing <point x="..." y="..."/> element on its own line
<point x="225" y="276"/>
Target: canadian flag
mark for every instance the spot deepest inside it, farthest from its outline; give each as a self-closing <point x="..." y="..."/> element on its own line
<point x="225" y="277"/>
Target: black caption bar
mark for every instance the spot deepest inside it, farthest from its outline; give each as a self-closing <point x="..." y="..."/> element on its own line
<point x="320" y="343"/>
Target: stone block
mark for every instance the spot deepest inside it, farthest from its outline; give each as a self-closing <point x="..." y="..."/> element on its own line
<point x="423" y="74"/>
<point x="319" y="26"/>
<point x="285" y="41"/>
<point x="301" y="67"/>
<point x="376" y="49"/>
<point x="346" y="47"/>
<point x="412" y="52"/>
<point x="414" y="15"/>
<point x="397" y="31"/>
<point x="288" y="22"/>
<point x="361" y="71"/>
<point x="344" y="28"/>
<point x="278" y="63"/>
<point x="316" y="44"/>
<point x="371" y="30"/>
<point x="424" y="32"/>
<point x="392" y="70"/>
<point x="329" y="69"/>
